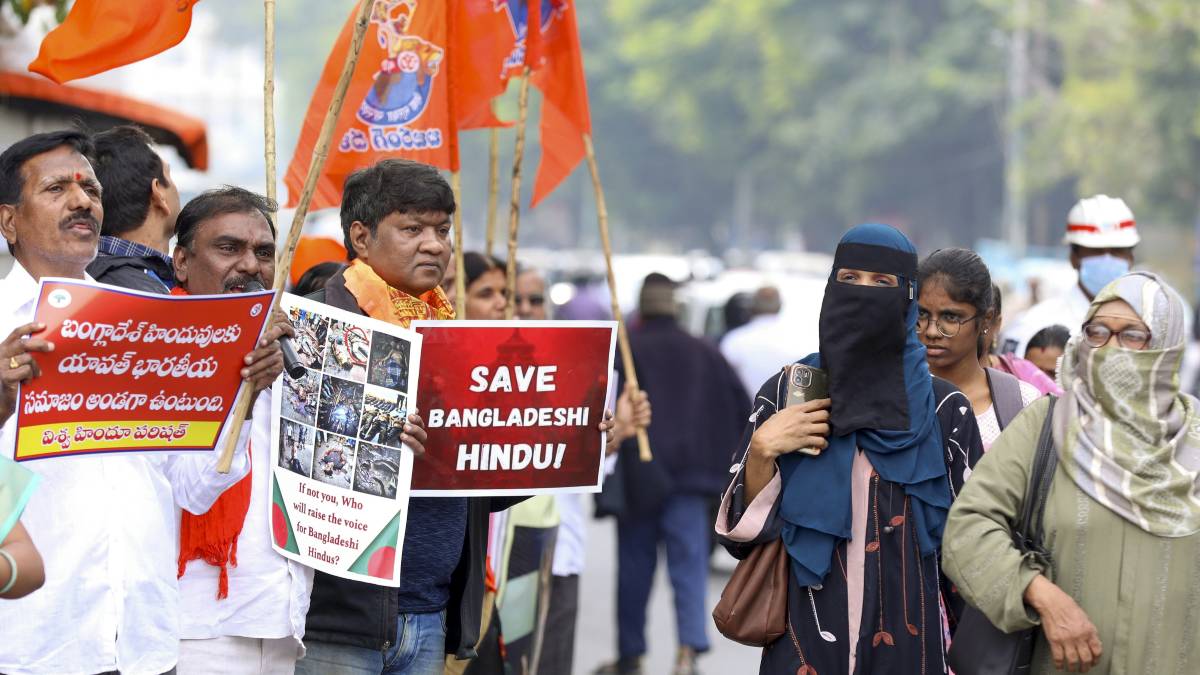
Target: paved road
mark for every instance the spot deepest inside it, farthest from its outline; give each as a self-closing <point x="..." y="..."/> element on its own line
<point x="596" y="636"/>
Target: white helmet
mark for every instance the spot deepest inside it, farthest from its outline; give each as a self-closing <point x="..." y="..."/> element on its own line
<point x="1101" y="222"/>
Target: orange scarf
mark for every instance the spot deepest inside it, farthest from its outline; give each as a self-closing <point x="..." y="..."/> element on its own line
<point x="385" y="303"/>
<point x="213" y="537"/>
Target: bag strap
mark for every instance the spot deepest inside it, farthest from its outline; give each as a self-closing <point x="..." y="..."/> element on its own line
<point x="1045" y="461"/>
<point x="1006" y="396"/>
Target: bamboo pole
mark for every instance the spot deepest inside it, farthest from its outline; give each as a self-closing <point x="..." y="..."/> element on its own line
<point x="460" y="276"/>
<point x="320" y="153"/>
<point x="269" y="93"/>
<point x="493" y="189"/>
<point x="606" y="242"/>
<point x="545" y="579"/>
<point x="514" y="209"/>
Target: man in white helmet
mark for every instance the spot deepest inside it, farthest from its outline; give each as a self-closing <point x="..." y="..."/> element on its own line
<point x="1102" y="234"/>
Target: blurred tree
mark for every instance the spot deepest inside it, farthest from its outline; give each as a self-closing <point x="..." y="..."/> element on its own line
<point x="1125" y="118"/>
<point x="837" y="111"/>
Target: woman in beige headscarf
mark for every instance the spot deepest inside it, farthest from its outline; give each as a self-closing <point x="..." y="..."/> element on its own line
<point x="1122" y="517"/>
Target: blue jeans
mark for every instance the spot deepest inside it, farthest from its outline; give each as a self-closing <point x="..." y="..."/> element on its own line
<point x="683" y="525"/>
<point x="419" y="649"/>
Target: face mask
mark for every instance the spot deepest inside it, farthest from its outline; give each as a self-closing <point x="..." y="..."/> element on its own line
<point x="1098" y="271"/>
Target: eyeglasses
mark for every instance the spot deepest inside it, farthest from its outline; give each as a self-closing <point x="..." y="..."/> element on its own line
<point x="534" y="300"/>
<point x="947" y="325"/>
<point x="1097" y="335"/>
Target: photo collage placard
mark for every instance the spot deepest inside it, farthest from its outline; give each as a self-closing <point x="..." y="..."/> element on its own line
<point x="341" y="422"/>
<point x="342" y="474"/>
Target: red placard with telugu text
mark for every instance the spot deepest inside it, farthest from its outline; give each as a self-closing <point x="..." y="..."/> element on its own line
<point x="512" y="407"/>
<point x="134" y="371"/>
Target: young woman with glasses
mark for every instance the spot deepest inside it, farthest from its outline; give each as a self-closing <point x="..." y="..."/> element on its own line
<point x="954" y="317"/>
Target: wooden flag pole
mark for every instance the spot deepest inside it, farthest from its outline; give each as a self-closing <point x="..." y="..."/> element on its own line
<point x="493" y="189"/>
<point x="283" y="267"/>
<point x="514" y="209"/>
<point x="460" y="280"/>
<point x="622" y="334"/>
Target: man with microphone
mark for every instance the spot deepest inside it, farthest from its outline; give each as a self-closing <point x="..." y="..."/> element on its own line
<point x="243" y="605"/>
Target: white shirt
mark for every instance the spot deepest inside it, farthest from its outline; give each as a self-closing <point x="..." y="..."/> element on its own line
<point x="268" y="594"/>
<point x="759" y="349"/>
<point x="989" y="424"/>
<point x="1065" y="310"/>
<point x="107" y="528"/>
<point x="570" y="544"/>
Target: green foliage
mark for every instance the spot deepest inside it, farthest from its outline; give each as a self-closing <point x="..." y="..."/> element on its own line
<point x="840" y="111"/>
<point x="1126" y="116"/>
<point x="22" y="8"/>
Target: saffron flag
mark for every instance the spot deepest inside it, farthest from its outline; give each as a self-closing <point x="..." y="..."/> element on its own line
<point x="398" y="103"/>
<point x="502" y="37"/>
<point x="483" y="42"/>
<point x="558" y="73"/>
<point x="100" y="35"/>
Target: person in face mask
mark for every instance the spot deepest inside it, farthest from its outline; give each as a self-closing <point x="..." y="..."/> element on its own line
<point x="858" y="485"/>
<point x="1102" y="234"/>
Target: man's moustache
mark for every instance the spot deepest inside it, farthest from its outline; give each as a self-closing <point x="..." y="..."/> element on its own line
<point x="249" y="284"/>
<point x="80" y="217"/>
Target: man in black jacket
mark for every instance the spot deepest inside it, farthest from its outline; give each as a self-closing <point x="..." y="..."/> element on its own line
<point x="396" y="220"/>
<point x="141" y="203"/>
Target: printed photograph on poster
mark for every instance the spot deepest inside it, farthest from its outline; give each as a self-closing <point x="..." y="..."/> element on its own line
<point x="334" y="459"/>
<point x="389" y="363"/>
<point x="310" y="337"/>
<point x="300" y="397"/>
<point x="346" y="350"/>
<point x="513" y="408"/>
<point x="297" y="445"/>
<point x="340" y="406"/>
<point x="132" y="371"/>
<point x="341" y="476"/>
<point x="383" y="417"/>
<point x="378" y="470"/>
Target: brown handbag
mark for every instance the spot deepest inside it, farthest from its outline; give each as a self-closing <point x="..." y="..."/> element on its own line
<point x="753" y="606"/>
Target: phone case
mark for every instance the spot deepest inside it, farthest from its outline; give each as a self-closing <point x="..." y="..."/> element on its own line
<point x="805" y="384"/>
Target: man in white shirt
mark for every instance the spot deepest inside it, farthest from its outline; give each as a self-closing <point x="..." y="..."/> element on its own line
<point x="226" y="240"/>
<point x="1102" y="234"/>
<point x="755" y="350"/>
<point x="106" y="524"/>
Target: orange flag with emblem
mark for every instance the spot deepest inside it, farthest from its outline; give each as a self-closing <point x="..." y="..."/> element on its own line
<point x="398" y="103"/>
<point x="100" y="35"/>
<point x="558" y="73"/>
<point x="499" y="37"/>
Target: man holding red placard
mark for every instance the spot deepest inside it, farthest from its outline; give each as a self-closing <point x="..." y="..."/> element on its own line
<point x="105" y="524"/>
<point x="396" y="220"/>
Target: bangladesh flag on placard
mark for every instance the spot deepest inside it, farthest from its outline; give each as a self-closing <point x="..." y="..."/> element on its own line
<point x="379" y="559"/>
<point x="281" y="524"/>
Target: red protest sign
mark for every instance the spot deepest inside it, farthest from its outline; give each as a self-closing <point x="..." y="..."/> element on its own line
<point x="512" y="407"/>
<point x="134" y="371"/>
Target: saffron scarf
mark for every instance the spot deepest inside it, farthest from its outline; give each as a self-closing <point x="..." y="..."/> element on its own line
<point x="213" y="536"/>
<point x="381" y="301"/>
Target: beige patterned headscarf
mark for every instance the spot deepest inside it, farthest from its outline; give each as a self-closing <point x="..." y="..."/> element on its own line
<point x="1125" y="433"/>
